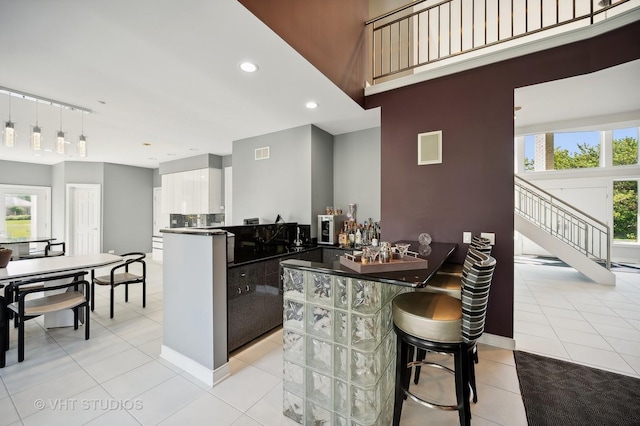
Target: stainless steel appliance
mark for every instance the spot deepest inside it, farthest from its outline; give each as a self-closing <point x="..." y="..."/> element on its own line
<point x="329" y="226"/>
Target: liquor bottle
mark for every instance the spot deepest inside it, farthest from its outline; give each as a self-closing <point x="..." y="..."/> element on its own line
<point x="352" y="235"/>
<point x="358" y="238"/>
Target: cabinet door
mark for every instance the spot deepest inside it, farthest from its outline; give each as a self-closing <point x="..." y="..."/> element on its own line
<point x="167" y="193"/>
<point x="214" y="191"/>
<point x="202" y="190"/>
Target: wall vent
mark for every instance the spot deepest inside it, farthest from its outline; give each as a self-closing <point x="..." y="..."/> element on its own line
<point x="262" y="153"/>
<point x="430" y="148"/>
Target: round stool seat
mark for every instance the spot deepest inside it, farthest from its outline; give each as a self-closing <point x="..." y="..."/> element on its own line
<point x="451" y="285"/>
<point x="429" y="316"/>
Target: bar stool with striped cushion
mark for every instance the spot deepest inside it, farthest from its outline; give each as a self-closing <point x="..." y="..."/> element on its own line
<point x="451" y="284"/>
<point x="441" y="323"/>
<point x="479" y="243"/>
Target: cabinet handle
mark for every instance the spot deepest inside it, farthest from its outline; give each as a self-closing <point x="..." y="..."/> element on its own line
<point x="243" y="275"/>
<point x="239" y="290"/>
<point x="247" y="288"/>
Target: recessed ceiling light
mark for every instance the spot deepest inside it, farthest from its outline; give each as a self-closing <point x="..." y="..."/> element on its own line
<point x="248" y="67"/>
<point x="311" y="105"/>
<point x="194" y="149"/>
<point x="171" y="155"/>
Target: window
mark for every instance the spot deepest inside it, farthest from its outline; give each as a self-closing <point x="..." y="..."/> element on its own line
<point x="25" y="211"/>
<point x="571" y="150"/>
<point x="625" y="146"/>
<point x="625" y="210"/>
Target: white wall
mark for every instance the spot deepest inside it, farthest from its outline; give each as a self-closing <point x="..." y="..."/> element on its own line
<point x="356" y="173"/>
<point x="278" y="185"/>
<point x="590" y="190"/>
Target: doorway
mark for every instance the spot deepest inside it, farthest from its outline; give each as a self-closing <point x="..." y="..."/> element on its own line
<point x="83" y="218"/>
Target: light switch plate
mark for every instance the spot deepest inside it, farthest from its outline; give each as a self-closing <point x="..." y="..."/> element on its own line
<point x="466" y="237"/>
<point x="490" y="235"/>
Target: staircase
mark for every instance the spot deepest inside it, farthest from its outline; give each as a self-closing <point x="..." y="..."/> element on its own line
<point x="576" y="238"/>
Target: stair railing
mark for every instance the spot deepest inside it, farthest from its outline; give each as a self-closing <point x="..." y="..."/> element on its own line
<point x="574" y="227"/>
<point x="427" y="31"/>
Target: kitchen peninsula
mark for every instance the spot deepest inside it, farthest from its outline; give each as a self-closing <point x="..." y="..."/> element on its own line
<point x="195" y="302"/>
<point x="339" y="344"/>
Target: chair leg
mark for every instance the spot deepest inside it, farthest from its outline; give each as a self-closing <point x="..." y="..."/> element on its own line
<point x="75" y="318"/>
<point x="93" y="294"/>
<point x="461" y="360"/>
<point x="86" y="323"/>
<point x="420" y="355"/>
<point x="20" y="340"/>
<point x="126" y="292"/>
<point x="111" y="303"/>
<point x="144" y="293"/>
<point x="402" y="373"/>
<point x="4" y="333"/>
<point x="472" y="375"/>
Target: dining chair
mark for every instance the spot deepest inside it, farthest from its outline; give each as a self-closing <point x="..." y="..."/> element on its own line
<point x="444" y="324"/>
<point x="49" y="249"/>
<point x="122" y="275"/>
<point x="26" y="307"/>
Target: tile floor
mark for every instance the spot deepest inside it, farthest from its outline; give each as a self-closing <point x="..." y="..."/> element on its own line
<point x="117" y="377"/>
<point x="560" y="313"/>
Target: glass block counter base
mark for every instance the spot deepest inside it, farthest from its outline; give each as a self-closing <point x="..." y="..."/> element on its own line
<point x="339" y="348"/>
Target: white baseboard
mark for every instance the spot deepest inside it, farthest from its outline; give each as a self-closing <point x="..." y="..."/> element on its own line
<point x="498" y="341"/>
<point x="197" y="370"/>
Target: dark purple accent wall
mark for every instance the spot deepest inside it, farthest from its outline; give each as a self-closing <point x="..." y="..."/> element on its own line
<point x="472" y="190"/>
<point x="330" y="34"/>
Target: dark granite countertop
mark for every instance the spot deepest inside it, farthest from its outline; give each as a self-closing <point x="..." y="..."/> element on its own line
<point x="438" y="254"/>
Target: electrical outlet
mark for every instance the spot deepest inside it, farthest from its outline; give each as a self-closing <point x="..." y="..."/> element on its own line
<point x="466" y="237"/>
<point x="491" y="236"/>
<point x="111" y="251"/>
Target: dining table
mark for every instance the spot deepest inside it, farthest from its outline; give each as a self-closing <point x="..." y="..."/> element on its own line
<point x="16" y="271"/>
<point x="21" y="245"/>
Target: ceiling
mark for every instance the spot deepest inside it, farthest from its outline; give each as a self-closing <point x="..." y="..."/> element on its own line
<point x="602" y="100"/>
<point x="159" y="73"/>
<point x="162" y="80"/>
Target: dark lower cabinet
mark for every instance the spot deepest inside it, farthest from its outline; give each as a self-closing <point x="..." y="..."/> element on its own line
<point x="254" y="297"/>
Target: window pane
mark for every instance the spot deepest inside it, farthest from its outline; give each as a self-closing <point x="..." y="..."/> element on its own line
<point x="625" y="210"/>
<point x="17" y="215"/>
<point x="576" y="150"/>
<point x="625" y="146"/>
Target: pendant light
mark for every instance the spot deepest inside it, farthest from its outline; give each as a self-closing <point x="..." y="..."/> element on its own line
<point x="9" y="132"/>
<point x="36" y="134"/>
<point x="60" y="137"/>
<point x="82" y="141"/>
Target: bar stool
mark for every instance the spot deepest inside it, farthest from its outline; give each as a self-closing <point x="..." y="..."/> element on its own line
<point x="441" y="323"/>
<point x="479" y="243"/>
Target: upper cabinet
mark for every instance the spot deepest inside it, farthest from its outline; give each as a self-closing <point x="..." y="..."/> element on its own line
<point x="192" y="192"/>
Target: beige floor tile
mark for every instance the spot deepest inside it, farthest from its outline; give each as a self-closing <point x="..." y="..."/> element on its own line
<point x="606" y="360"/>
<point x="203" y="411"/>
<point x="164" y="400"/>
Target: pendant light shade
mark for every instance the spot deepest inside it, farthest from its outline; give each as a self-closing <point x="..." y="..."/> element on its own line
<point x="60" y="142"/>
<point x="82" y="146"/>
<point x="36" y="138"/>
<point x="60" y="137"/>
<point x="9" y="134"/>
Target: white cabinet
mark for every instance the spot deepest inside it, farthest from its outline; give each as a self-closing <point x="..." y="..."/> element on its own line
<point x="192" y="192"/>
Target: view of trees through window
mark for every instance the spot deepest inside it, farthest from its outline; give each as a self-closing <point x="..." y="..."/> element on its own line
<point x="579" y="150"/>
<point x="18" y="215"/>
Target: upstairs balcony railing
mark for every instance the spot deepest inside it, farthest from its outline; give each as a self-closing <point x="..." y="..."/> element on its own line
<point x="577" y="229"/>
<point x="429" y="31"/>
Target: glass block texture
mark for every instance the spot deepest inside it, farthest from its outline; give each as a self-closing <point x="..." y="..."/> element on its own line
<point x="339" y="349"/>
